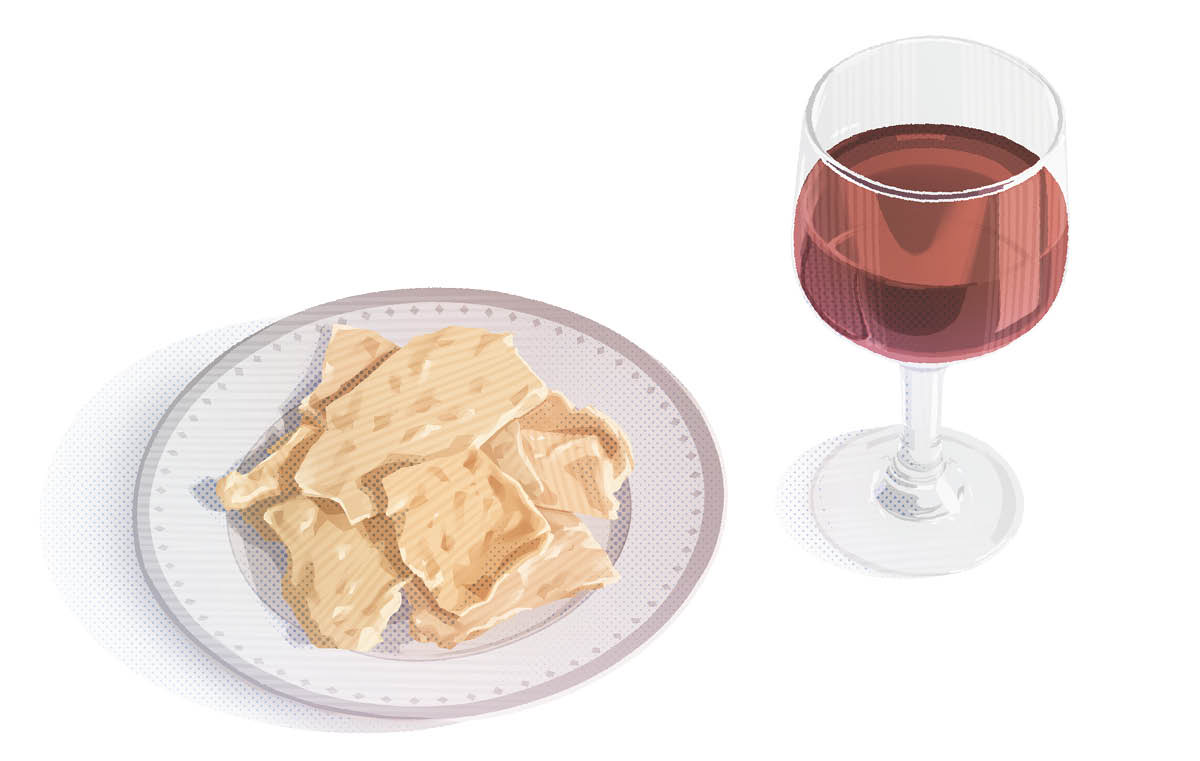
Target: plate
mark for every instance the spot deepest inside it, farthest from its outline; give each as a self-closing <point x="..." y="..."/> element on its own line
<point x="220" y="582"/>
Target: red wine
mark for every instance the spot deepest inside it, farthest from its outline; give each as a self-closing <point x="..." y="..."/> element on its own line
<point x="923" y="281"/>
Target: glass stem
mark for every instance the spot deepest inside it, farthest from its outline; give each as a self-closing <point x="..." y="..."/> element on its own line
<point x="921" y="443"/>
<point x="912" y="478"/>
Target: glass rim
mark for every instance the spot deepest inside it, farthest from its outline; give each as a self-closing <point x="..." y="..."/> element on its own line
<point x="934" y="196"/>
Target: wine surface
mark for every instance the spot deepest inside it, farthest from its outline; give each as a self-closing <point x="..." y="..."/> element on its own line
<point x="930" y="281"/>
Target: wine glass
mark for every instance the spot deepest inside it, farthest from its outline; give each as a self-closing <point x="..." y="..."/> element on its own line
<point x="931" y="226"/>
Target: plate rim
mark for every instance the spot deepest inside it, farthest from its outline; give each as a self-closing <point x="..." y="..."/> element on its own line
<point x="698" y="560"/>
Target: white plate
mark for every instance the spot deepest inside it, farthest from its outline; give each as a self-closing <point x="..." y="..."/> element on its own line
<point x="220" y="583"/>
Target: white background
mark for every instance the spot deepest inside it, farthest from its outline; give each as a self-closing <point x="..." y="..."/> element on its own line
<point x="169" y="167"/>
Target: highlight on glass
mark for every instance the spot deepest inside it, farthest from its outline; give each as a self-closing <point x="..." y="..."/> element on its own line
<point x="931" y="226"/>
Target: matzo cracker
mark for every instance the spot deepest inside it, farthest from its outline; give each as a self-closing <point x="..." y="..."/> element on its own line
<point x="556" y="415"/>
<point x="272" y="478"/>
<point x="575" y="472"/>
<point x="571" y="563"/>
<point x="441" y="393"/>
<point x="341" y="587"/>
<point x="444" y="468"/>
<point x="350" y="356"/>
<point x="462" y="524"/>
<point x="507" y="449"/>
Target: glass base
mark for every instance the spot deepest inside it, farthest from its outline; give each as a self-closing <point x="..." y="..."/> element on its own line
<point x="969" y="513"/>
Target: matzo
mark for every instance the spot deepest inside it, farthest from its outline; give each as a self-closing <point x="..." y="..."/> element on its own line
<point x="571" y="563"/>
<point x="461" y="524"/>
<point x="270" y="479"/>
<point x="351" y="355"/>
<point x="575" y="473"/>
<point x="341" y="587"/>
<point x="556" y="415"/>
<point x="580" y="457"/>
<point x="444" y="468"/>
<point x="444" y="392"/>
<point x="507" y="449"/>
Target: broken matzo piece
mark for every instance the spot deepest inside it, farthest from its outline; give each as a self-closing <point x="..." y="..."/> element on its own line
<point x="462" y="524"/>
<point x="341" y="587"/>
<point x="272" y="478"/>
<point x="580" y="457"/>
<point x="444" y="392"/>
<point x="571" y="563"/>
<point x="507" y="449"/>
<point x="351" y="355"/>
<point x="575" y="473"/>
<point x="556" y="415"/>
